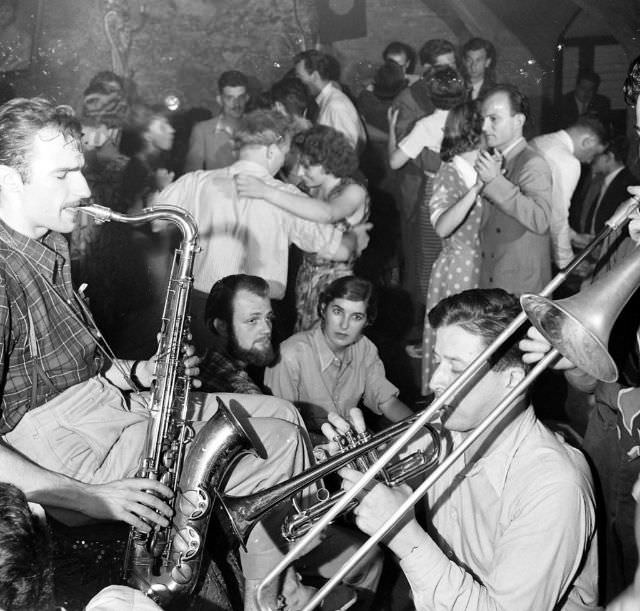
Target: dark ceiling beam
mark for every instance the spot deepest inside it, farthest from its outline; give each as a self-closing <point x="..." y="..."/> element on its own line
<point x="468" y="18"/>
<point x="622" y="17"/>
<point x="448" y="14"/>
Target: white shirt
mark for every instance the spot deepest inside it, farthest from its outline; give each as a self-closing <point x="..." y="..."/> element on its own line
<point x="557" y="148"/>
<point x="336" y="110"/>
<point x="242" y="235"/>
<point x="426" y="133"/>
<point x="515" y="530"/>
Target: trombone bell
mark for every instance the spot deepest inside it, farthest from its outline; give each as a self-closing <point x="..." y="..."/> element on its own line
<point x="579" y="326"/>
<point x="570" y="337"/>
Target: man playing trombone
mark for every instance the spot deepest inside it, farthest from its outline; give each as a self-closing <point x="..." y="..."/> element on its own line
<point x="512" y="523"/>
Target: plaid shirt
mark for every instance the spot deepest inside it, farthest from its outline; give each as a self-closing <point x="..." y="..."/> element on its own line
<point x="35" y="283"/>
<point x="220" y="373"/>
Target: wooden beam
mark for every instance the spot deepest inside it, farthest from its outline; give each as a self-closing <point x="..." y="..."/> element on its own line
<point x="622" y="17"/>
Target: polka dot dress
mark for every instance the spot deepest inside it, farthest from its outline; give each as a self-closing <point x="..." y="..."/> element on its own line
<point x="458" y="266"/>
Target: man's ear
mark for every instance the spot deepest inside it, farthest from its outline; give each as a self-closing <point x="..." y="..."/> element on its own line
<point x="515" y="375"/>
<point x="279" y="106"/>
<point x="10" y="180"/>
<point x="220" y="326"/>
<point x="521" y="119"/>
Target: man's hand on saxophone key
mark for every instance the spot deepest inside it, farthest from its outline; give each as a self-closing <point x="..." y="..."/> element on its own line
<point x="139" y="502"/>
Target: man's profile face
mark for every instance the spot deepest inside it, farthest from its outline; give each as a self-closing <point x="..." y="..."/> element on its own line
<point x="306" y="77"/>
<point x="233" y="100"/>
<point x="476" y="62"/>
<point x="343" y="321"/>
<point x="455" y="349"/>
<point x="55" y="186"/>
<point x="250" y="333"/>
<point x="500" y="126"/>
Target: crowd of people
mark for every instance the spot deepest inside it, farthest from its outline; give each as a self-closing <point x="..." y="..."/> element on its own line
<point x="522" y="520"/>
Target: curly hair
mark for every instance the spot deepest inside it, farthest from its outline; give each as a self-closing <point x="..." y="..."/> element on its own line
<point x="327" y="147"/>
<point x="631" y="87"/>
<point x="462" y="130"/>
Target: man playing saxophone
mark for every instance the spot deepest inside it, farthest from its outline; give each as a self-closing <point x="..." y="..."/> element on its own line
<point x="70" y="437"/>
<point x="512" y="524"/>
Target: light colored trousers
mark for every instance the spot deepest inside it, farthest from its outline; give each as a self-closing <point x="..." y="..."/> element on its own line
<point x="89" y="434"/>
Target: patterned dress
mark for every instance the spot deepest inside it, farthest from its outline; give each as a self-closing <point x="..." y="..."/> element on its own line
<point x="458" y="265"/>
<point x="316" y="273"/>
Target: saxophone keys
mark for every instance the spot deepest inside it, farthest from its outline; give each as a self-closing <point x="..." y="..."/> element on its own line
<point x="186" y="543"/>
<point x="194" y="504"/>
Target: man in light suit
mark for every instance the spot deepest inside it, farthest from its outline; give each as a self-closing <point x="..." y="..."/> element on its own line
<point x="211" y="142"/>
<point x="516" y="246"/>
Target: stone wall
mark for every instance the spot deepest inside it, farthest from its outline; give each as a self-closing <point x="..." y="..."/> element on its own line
<point x="181" y="46"/>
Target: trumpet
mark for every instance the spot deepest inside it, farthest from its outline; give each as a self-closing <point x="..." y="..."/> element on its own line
<point x="572" y="327"/>
<point x="359" y="451"/>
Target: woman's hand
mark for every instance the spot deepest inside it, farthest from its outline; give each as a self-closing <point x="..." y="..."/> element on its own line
<point x="164" y="178"/>
<point x="251" y="187"/>
<point x="392" y="118"/>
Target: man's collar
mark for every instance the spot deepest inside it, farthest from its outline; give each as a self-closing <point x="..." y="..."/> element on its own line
<point x="42" y="253"/>
<point x="495" y="464"/>
<point x="324" y="92"/>
<point x="516" y="144"/>
<point x="246" y="166"/>
<point x="610" y="177"/>
<point x="567" y="139"/>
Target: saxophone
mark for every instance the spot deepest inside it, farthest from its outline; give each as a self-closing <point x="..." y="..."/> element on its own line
<point x="165" y="564"/>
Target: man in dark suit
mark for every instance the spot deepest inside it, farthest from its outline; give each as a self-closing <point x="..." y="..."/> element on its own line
<point x="616" y="177"/>
<point x="584" y="100"/>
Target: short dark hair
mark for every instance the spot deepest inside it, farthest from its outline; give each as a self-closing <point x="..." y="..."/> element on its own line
<point x="631" y="87"/>
<point x="322" y="63"/>
<point x="480" y="44"/>
<point x="263" y="127"/>
<point x="462" y="130"/>
<point x="26" y="572"/>
<point x="588" y="75"/>
<point x="326" y="146"/>
<point x="232" y="78"/>
<point x="434" y="48"/>
<point x="517" y="100"/>
<point x="220" y="300"/>
<point x="352" y="288"/>
<point x="397" y="48"/>
<point x="485" y="313"/>
<point x="292" y="94"/>
<point x="20" y="121"/>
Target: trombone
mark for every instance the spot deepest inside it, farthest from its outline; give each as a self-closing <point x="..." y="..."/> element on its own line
<point x="555" y="318"/>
